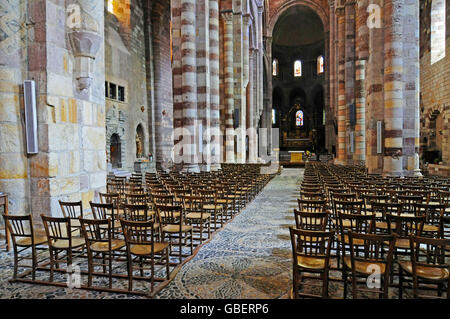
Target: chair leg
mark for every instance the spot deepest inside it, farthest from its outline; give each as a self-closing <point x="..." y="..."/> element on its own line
<point x="110" y="269"/>
<point x="52" y="261"/>
<point x="16" y="262"/>
<point x="130" y="273"/>
<point x="344" y="278"/>
<point x="400" y="283"/>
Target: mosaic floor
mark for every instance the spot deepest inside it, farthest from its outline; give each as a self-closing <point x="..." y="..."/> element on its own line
<point x="248" y="258"/>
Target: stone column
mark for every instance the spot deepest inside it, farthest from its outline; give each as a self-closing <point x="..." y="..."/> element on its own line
<point x="374" y="86"/>
<point x="239" y="33"/>
<point x="393" y="89"/>
<point x="350" y="75"/>
<point x="203" y="84"/>
<point x="177" y="83"/>
<point x="362" y="52"/>
<point x="411" y="76"/>
<point x="342" y="110"/>
<point x="267" y="113"/>
<point x="215" y="86"/>
<point x="251" y="131"/>
<point x="227" y="17"/>
<point x="189" y="86"/>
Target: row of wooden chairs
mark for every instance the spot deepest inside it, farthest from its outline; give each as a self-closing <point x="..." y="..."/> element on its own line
<point x="369" y="232"/>
<point x="143" y="225"/>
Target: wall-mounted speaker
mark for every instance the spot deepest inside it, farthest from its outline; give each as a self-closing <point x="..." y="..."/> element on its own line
<point x="352" y="142"/>
<point x="379" y="137"/>
<point x="236" y="118"/>
<point x="29" y="90"/>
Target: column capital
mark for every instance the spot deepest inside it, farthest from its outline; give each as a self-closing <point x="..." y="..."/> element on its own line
<point x="340" y="11"/>
<point x="227" y="16"/>
<point x="247" y="19"/>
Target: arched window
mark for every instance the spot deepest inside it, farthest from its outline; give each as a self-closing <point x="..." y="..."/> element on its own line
<point x="298" y="68"/>
<point x="111" y="6"/>
<point x="319" y="64"/>
<point x="275" y="67"/>
<point x="299" y="118"/>
<point x="437" y="30"/>
<point x="274" y="119"/>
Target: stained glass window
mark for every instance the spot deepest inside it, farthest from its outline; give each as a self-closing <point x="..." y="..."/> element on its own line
<point x="319" y="64"/>
<point x="275" y="67"/>
<point x="298" y="68"/>
<point x="299" y="118"/>
<point x="273" y="116"/>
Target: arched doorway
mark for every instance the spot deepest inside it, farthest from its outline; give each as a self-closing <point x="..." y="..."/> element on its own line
<point x="115" y="151"/>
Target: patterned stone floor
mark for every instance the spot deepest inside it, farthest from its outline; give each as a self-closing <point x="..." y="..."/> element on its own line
<point x="249" y="258"/>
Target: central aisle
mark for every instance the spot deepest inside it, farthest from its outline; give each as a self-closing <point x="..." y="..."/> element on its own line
<point x="251" y="256"/>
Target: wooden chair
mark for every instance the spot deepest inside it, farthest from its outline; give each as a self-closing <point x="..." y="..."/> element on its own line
<point x="348" y="222"/>
<point x="142" y="242"/>
<point x="311" y="220"/>
<point x="59" y="238"/>
<point x="427" y="266"/>
<point x="311" y="254"/>
<point x="105" y="211"/>
<point x="23" y="238"/>
<point x="211" y="206"/>
<point x="369" y="259"/>
<point x="99" y="237"/>
<point x="73" y="210"/>
<point x="196" y="216"/>
<point x="173" y="225"/>
<point x="311" y="205"/>
<point x="137" y="212"/>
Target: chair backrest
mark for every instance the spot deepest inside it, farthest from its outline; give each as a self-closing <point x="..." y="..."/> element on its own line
<point x="311" y="220"/>
<point x="136" y="198"/>
<point x="311" y="205"/>
<point x="444" y="227"/>
<point x="110" y="198"/>
<point x="19" y="227"/>
<point x="102" y="211"/>
<point x="311" y="243"/>
<point x="57" y="228"/>
<point x="170" y="214"/>
<point x="71" y="209"/>
<point x="347" y="207"/>
<point x="370" y="250"/>
<point x="94" y="232"/>
<point x="136" y="212"/>
<point x="139" y="233"/>
<point x="405" y="225"/>
<point x="193" y="203"/>
<point x="364" y="224"/>
<point x="433" y="212"/>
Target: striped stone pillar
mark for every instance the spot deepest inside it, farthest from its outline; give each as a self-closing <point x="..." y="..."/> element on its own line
<point x="203" y="84"/>
<point x="177" y="82"/>
<point x="215" y="85"/>
<point x="190" y="136"/>
<point x="374" y="86"/>
<point x="239" y="32"/>
<point x="251" y="131"/>
<point x="350" y="75"/>
<point x="227" y="17"/>
<point x="393" y="89"/>
<point x="342" y="109"/>
<point x="411" y="76"/>
<point x="362" y="52"/>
